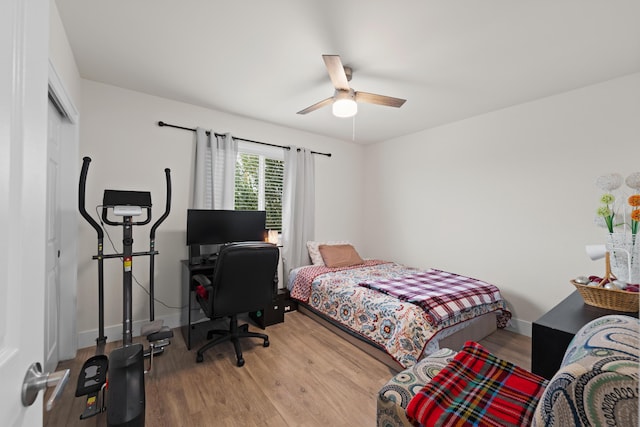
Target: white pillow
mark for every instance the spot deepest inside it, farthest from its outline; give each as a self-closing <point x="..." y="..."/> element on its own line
<point x="314" y="252"/>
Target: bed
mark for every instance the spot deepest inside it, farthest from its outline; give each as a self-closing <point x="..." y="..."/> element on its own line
<point x="355" y="299"/>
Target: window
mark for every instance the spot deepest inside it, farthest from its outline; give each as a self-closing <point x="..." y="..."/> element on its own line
<point x="259" y="177"/>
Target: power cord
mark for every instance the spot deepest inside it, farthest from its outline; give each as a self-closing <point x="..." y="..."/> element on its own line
<point x="113" y="246"/>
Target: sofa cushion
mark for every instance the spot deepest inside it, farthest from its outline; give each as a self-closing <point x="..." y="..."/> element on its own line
<point x="598" y="381"/>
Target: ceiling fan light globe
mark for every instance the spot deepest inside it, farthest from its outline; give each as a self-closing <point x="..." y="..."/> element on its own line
<point x="344" y="108"/>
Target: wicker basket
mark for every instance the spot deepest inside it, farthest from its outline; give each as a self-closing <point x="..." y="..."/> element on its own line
<point x="611" y="299"/>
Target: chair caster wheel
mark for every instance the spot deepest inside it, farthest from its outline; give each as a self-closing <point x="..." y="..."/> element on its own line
<point x="240" y="362"/>
<point x="266" y="343"/>
<point x="199" y="358"/>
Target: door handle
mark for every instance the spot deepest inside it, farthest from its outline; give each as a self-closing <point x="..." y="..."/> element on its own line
<point x="35" y="380"/>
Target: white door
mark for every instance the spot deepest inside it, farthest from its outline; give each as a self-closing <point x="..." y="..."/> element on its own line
<point x="52" y="284"/>
<point x="24" y="43"/>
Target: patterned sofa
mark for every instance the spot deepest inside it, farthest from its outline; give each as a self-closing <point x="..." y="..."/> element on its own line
<point x="597" y="383"/>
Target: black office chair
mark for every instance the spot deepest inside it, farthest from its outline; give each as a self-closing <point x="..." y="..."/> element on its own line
<point x="244" y="279"/>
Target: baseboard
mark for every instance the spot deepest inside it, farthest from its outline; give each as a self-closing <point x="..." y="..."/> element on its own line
<point x="518" y="326"/>
<point x="114" y="332"/>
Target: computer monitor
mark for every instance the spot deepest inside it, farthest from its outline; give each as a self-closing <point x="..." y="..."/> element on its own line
<point x="213" y="226"/>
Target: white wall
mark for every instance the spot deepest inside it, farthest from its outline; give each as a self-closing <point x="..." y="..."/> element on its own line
<point x="129" y="152"/>
<point x="61" y="56"/>
<point x="507" y="197"/>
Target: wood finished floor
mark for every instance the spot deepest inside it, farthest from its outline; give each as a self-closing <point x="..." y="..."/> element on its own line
<point x="308" y="376"/>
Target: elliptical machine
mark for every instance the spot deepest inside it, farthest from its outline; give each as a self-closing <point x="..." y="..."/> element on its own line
<point x="125" y="365"/>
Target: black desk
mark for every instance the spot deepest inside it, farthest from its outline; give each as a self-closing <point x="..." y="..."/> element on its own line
<point x="552" y="333"/>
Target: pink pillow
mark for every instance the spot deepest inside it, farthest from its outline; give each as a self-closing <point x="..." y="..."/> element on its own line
<point x="339" y="255"/>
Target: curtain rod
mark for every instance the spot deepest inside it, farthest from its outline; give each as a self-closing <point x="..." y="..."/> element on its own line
<point x="161" y="124"/>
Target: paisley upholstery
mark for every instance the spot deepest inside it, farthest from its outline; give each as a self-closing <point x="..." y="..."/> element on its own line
<point x="598" y="381"/>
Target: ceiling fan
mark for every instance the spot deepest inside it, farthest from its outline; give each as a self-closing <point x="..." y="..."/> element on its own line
<point x="345" y="99"/>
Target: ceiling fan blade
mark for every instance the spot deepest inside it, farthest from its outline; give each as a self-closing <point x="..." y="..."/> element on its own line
<point x="372" y="98"/>
<point x="336" y="71"/>
<point x="316" y="106"/>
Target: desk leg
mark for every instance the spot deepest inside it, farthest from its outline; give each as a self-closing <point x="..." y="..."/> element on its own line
<point x="186" y="294"/>
<point x="189" y="326"/>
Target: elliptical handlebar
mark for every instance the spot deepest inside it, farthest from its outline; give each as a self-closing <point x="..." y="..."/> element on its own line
<point x="152" y="233"/>
<point x="81" y="197"/>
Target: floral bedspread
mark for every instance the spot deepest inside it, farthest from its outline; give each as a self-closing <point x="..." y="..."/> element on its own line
<point x="403" y="329"/>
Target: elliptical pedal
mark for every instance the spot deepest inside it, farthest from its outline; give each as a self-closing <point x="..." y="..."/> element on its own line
<point x="92" y="379"/>
<point x="158" y="336"/>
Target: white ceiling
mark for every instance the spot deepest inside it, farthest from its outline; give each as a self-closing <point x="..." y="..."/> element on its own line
<point x="262" y="59"/>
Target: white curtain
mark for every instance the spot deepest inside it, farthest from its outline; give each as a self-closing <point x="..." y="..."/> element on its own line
<point x="298" y="208"/>
<point x="215" y="169"/>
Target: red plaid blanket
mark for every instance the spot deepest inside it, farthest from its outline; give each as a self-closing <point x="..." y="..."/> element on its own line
<point x="441" y="294"/>
<point x="478" y="389"/>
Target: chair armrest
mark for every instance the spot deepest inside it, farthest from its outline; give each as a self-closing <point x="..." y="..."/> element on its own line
<point x="203" y="288"/>
<point x="202" y="280"/>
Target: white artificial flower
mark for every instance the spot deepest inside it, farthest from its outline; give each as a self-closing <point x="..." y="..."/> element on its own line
<point x="633" y="181"/>
<point x="599" y="221"/>
<point x="609" y="182"/>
